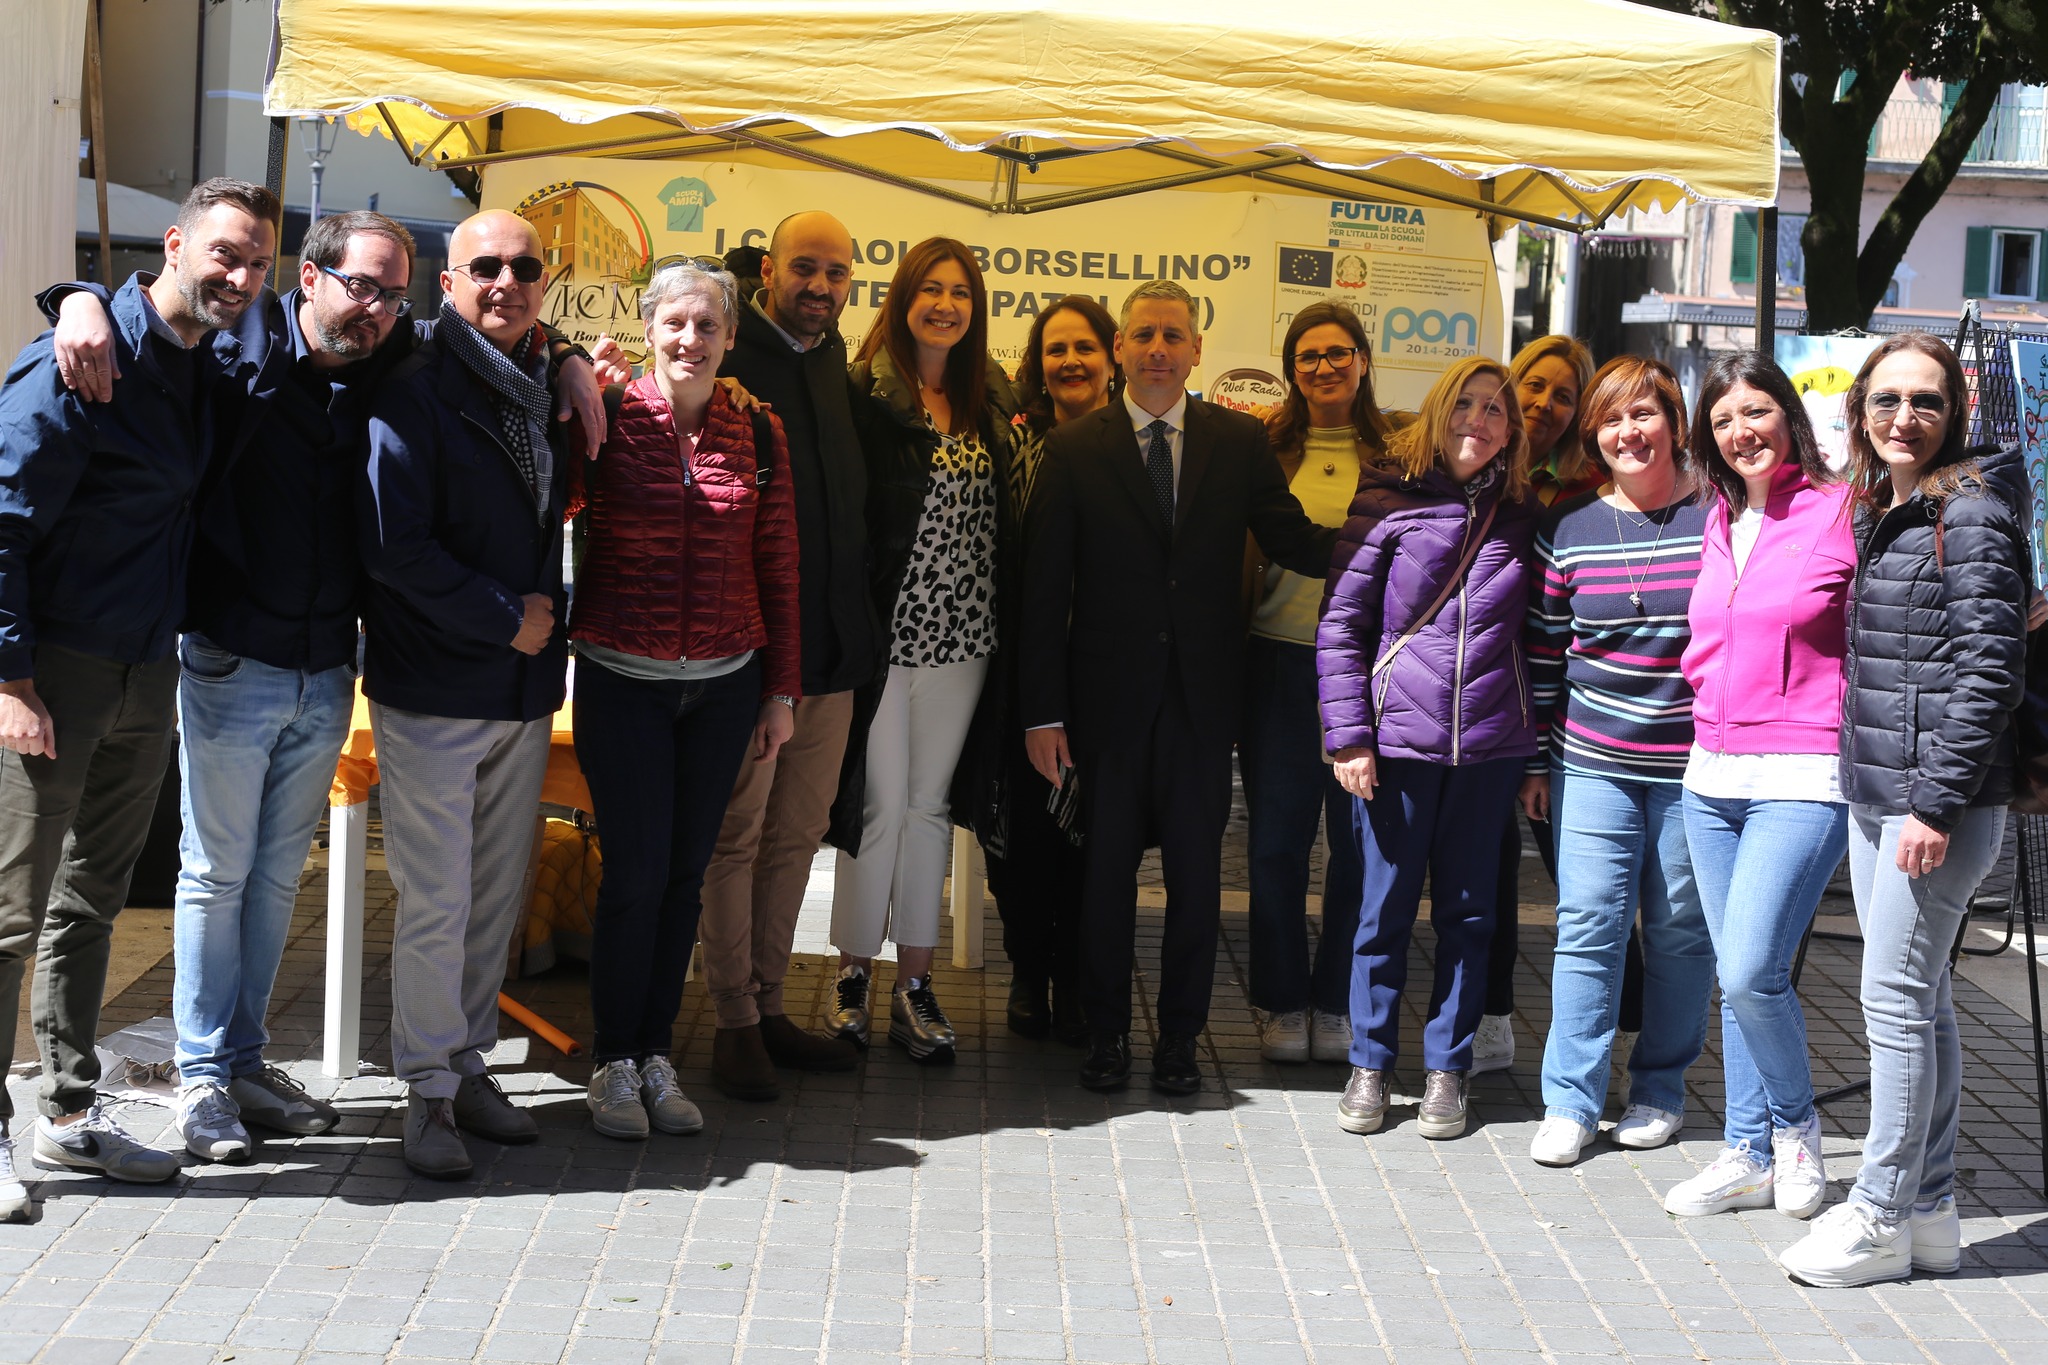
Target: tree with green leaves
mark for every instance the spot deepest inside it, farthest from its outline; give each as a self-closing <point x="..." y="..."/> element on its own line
<point x="1841" y="60"/>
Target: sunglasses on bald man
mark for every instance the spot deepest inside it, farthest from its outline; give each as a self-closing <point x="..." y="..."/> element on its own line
<point x="486" y="269"/>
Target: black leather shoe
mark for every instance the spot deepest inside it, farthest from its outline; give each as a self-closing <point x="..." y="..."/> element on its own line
<point x="1174" y="1070"/>
<point x="1028" y="1015"/>
<point x="1109" y="1062"/>
<point x="1069" y="1022"/>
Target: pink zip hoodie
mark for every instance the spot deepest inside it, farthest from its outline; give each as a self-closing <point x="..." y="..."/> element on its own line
<point x="1765" y="662"/>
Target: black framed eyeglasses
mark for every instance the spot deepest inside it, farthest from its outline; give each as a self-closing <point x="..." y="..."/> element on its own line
<point x="486" y="269"/>
<point x="1926" y="404"/>
<point x="367" y="291"/>
<point x="1308" y="362"/>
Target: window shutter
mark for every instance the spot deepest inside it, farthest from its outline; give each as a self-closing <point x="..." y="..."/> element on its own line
<point x="1742" y="252"/>
<point x="1977" y="263"/>
<point x="2041" y="265"/>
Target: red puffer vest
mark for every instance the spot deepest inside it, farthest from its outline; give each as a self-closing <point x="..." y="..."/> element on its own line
<point x="691" y="564"/>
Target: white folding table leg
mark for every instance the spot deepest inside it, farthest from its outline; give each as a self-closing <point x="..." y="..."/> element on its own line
<point x="967" y="894"/>
<point x="342" y="1034"/>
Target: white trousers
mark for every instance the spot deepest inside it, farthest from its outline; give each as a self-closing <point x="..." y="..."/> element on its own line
<point x="906" y="840"/>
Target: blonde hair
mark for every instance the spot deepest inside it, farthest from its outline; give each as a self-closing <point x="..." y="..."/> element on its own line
<point x="1418" y="447"/>
<point x="1571" y="457"/>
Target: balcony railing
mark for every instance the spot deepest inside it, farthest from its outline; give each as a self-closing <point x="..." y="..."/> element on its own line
<point x="2016" y="134"/>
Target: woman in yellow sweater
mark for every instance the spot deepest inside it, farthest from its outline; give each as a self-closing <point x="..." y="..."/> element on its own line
<point x="1328" y="427"/>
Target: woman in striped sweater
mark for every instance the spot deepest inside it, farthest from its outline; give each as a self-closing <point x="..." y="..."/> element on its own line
<point x="1606" y="632"/>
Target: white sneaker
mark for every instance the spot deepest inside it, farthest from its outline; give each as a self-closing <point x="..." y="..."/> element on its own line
<point x="614" y="1099"/>
<point x="1283" y="1037"/>
<point x="1493" y="1044"/>
<point x="1801" y="1175"/>
<point x="14" y="1201"/>
<point x="1558" y="1141"/>
<point x="668" y="1108"/>
<point x="1643" y="1127"/>
<point x="1736" y="1180"/>
<point x="1329" y="1037"/>
<point x="210" y="1121"/>
<point x="1848" y="1246"/>
<point x="1937" y="1236"/>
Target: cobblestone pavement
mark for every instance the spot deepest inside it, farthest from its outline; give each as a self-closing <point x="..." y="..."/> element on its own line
<point x="993" y="1211"/>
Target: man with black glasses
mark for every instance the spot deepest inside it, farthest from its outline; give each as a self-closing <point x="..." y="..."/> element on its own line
<point x="461" y="531"/>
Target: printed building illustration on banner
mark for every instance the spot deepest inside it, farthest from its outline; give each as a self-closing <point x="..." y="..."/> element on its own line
<point x="2030" y="373"/>
<point x="578" y="239"/>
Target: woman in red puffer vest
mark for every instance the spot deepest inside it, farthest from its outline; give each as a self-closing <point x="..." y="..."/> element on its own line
<point x="685" y="627"/>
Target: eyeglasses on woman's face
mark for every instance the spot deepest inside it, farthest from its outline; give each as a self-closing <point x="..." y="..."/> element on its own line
<point x="1338" y="358"/>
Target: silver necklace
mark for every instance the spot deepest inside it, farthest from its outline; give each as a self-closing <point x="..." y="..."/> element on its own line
<point x="1635" y="586"/>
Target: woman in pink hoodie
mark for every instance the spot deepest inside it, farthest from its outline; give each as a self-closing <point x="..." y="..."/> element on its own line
<point x="1763" y="802"/>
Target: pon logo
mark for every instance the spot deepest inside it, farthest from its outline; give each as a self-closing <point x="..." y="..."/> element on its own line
<point x="1459" y="329"/>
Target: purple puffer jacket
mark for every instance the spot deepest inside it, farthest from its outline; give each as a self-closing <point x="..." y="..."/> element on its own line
<point x="1459" y="691"/>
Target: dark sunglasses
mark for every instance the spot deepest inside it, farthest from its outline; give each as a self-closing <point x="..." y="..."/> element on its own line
<point x="1926" y="403"/>
<point x="486" y="269"/>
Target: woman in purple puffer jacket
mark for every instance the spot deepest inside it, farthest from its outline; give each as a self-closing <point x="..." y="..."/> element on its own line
<point x="1426" y="715"/>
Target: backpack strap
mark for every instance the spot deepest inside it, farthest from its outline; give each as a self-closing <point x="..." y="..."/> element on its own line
<point x="764" y="449"/>
<point x="1450" y="586"/>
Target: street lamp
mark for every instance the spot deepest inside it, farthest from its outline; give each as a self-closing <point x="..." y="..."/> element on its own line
<point x="316" y="136"/>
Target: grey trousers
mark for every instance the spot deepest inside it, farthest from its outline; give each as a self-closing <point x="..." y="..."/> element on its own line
<point x="459" y="799"/>
<point x="71" y="829"/>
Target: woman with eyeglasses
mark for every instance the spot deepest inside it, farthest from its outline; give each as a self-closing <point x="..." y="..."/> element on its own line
<point x="1426" y="716"/>
<point x="686" y="634"/>
<point x="1034" y="868"/>
<point x="1605" y="635"/>
<point x="1937" y="663"/>
<point x="1764" y="819"/>
<point x="1325" y="433"/>
<point x="934" y="416"/>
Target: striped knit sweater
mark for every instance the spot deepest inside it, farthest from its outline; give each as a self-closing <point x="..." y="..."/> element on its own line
<point x="1604" y="672"/>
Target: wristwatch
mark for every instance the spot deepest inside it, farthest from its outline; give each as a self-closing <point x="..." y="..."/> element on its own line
<point x="790" y="702"/>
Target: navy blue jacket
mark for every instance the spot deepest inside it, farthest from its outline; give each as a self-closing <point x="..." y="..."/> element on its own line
<point x="96" y="502"/>
<point x="452" y="539"/>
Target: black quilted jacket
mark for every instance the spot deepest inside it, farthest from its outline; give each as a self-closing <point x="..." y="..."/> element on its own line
<point x="1937" y="651"/>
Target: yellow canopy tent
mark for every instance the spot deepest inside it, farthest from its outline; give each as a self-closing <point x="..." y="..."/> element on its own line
<point x="1558" y="112"/>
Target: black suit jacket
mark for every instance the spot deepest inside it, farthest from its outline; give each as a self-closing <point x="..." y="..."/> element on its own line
<point x="1117" y="608"/>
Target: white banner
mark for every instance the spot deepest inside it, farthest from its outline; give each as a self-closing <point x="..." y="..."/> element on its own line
<point x="1420" y="277"/>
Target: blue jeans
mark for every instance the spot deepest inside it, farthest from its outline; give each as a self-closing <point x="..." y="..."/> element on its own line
<point x="1910" y="926"/>
<point x="1445" y="821"/>
<point x="1621" y="843"/>
<point x="256" y="754"/>
<point x="1781" y="854"/>
<point x="1290" y="795"/>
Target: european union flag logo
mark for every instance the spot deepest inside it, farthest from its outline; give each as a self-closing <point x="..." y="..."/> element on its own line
<point x="1310" y="268"/>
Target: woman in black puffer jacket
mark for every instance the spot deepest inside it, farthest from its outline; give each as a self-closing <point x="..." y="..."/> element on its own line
<point x="1937" y="657"/>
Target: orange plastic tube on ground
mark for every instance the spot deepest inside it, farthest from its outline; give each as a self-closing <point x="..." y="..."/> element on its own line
<point x="549" y="1034"/>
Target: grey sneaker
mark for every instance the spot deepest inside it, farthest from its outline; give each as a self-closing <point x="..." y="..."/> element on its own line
<point x="1364" y="1106"/>
<point x="205" y="1117"/>
<point x="1493" y="1043"/>
<point x="433" y="1147"/>
<point x="615" y="1108"/>
<point x="850" y="1017"/>
<point x="1283" y="1037"/>
<point x="917" y="1022"/>
<point x="1329" y="1037"/>
<point x="15" y="1206"/>
<point x="1443" y="1105"/>
<point x="269" y="1098"/>
<point x="668" y="1108"/>
<point x="97" y="1143"/>
<point x="480" y="1107"/>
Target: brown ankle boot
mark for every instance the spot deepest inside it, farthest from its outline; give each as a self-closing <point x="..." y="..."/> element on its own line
<point x="740" y="1065"/>
<point x="801" y="1050"/>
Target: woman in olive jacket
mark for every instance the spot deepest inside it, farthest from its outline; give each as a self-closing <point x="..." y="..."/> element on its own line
<point x="934" y="414"/>
<point x="1936" y="665"/>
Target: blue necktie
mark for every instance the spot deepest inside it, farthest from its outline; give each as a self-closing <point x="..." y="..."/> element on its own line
<point x="1159" y="468"/>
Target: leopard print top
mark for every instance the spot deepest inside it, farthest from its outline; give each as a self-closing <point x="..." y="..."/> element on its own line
<point x="946" y="609"/>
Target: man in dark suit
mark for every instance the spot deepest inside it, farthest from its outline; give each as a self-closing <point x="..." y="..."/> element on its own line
<point x="1132" y="659"/>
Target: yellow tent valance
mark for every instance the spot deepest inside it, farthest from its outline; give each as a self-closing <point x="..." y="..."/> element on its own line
<point x="1562" y="111"/>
